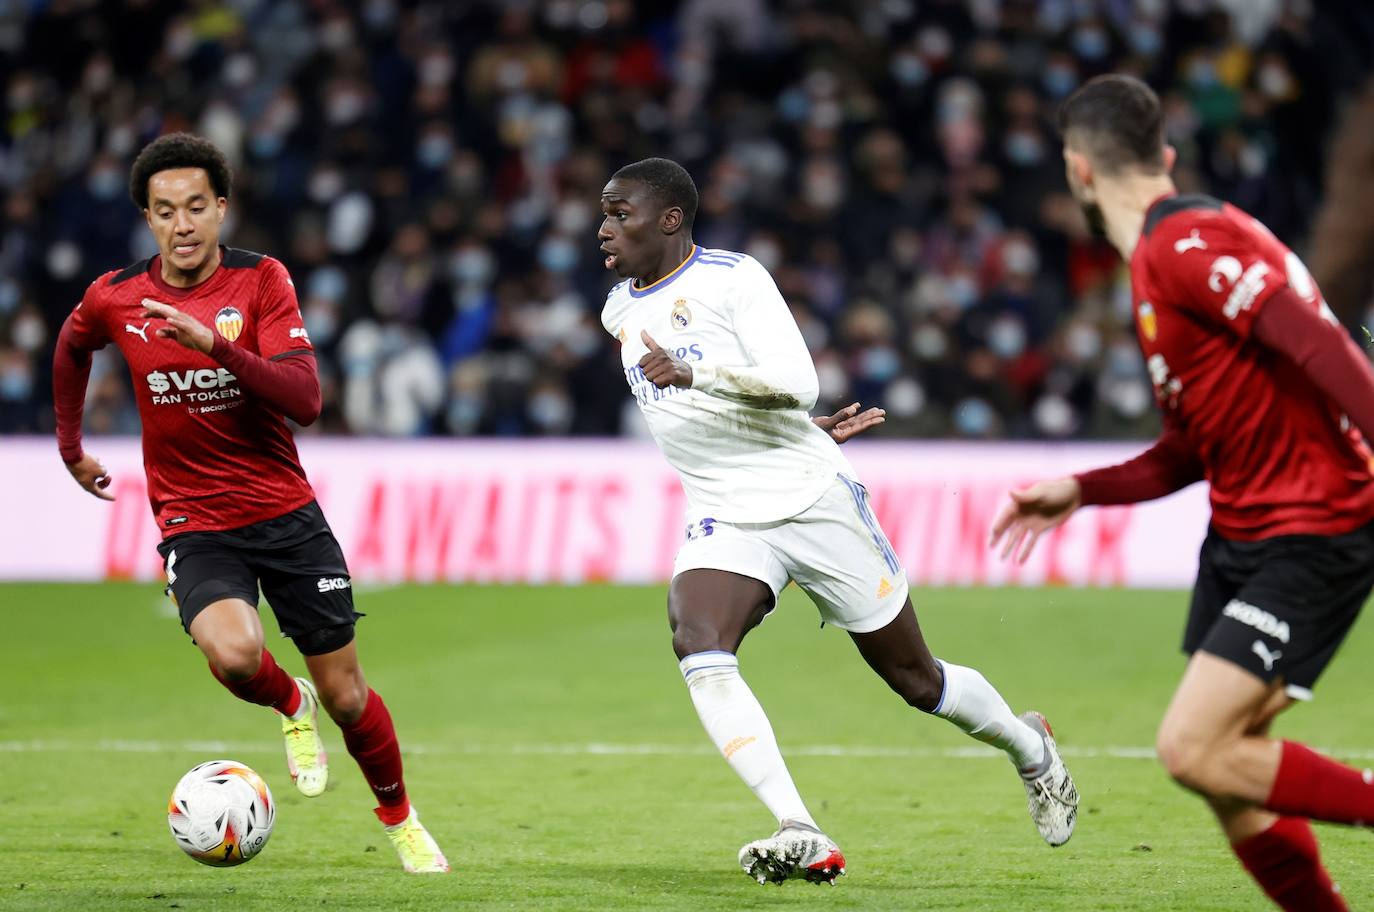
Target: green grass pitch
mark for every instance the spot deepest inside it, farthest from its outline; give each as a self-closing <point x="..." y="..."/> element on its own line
<point x="552" y="750"/>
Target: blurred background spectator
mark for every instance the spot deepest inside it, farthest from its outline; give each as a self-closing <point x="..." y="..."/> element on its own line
<point x="430" y="173"/>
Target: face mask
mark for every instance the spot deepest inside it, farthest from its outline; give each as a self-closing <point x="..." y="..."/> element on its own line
<point x="1202" y="74"/>
<point x="9" y="297"/>
<point x="1053" y="416"/>
<point x="464" y="413"/>
<point x="434" y="151"/>
<point x="321" y="323"/>
<point x="472" y="266"/>
<point x="550" y="411"/>
<point x="1007" y="337"/>
<point x="436" y="70"/>
<point x="266" y="145"/>
<point x="1145" y="40"/>
<point x="834" y="380"/>
<point x="325" y="186"/>
<point x="908" y="70"/>
<point x="1020" y="259"/>
<point x="879" y="363"/>
<point x="557" y="255"/>
<point x="962" y="291"/>
<point x="973" y="417"/>
<point x="929" y="343"/>
<point x="1090" y="43"/>
<point x="1084" y="342"/>
<point x="1059" y="81"/>
<point x="904" y="398"/>
<point x="823" y="189"/>
<point x="1274" y="81"/>
<point x="16" y="383"/>
<point x="105" y="183"/>
<point x="29" y="333"/>
<point x="766" y="252"/>
<point x="1024" y="148"/>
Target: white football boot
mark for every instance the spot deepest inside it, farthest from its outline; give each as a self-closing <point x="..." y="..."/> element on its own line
<point x="1050" y="792"/>
<point x="795" y="850"/>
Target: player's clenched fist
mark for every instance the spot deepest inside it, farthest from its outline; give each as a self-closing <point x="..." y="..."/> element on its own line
<point x="184" y="328"/>
<point x="662" y="367"/>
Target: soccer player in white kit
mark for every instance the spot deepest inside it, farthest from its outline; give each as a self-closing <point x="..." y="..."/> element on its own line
<point x="724" y="380"/>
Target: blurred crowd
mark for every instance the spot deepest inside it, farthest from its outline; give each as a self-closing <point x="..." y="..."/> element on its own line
<point x="430" y="173"/>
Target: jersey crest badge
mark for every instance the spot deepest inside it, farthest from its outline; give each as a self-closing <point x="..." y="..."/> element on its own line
<point x="229" y="322"/>
<point x="681" y="317"/>
<point x="1149" y="323"/>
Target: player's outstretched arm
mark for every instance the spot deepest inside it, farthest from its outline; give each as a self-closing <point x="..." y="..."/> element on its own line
<point x="1033" y="511"/>
<point x="290" y="386"/>
<point x="849" y="422"/>
<point x="71" y="368"/>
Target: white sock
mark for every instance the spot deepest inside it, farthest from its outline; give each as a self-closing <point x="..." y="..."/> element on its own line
<point x="736" y="723"/>
<point x="974" y="705"/>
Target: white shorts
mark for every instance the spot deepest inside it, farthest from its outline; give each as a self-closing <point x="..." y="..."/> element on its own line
<point x="834" y="550"/>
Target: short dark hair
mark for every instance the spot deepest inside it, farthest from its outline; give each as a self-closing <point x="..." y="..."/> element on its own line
<point x="179" y="150"/>
<point x="1119" y="121"/>
<point x="668" y="182"/>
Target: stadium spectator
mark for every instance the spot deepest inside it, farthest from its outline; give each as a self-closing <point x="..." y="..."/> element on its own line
<point x="892" y="164"/>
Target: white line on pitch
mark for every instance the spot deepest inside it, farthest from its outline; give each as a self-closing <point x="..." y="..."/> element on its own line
<point x="594" y="749"/>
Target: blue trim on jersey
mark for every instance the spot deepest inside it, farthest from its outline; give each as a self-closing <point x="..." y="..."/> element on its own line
<point x="691" y="671"/>
<point x="860" y="496"/>
<point x="710" y="652"/>
<point x="723" y="254"/>
<point x="669" y="279"/>
<point x="944" y="687"/>
<point x="712" y="261"/>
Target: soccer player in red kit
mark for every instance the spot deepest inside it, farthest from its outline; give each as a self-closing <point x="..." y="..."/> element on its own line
<point x="220" y="358"/>
<point x="1266" y="397"/>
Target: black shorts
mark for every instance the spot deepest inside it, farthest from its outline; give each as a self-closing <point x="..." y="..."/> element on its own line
<point x="296" y="560"/>
<point x="1279" y="608"/>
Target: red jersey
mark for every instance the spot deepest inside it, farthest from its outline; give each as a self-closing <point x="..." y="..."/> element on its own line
<point x="215" y="458"/>
<point x="1280" y="457"/>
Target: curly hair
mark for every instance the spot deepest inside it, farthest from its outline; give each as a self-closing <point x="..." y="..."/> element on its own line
<point x="668" y="182"/>
<point x="178" y="150"/>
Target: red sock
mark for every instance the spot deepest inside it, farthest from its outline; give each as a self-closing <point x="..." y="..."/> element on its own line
<point x="1310" y="785"/>
<point x="269" y="687"/>
<point x="1286" y="863"/>
<point x="372" y="742"/>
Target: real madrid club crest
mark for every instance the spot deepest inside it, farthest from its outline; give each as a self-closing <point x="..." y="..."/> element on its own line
<point x="681" y="317"/>
<point x="1149" y="323"/>
<point x="229" y="322"/>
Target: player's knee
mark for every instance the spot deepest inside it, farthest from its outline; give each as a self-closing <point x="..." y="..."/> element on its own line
<point x="690" y="638"/>
<point x="234" y="658"/>
<point x="1184" y="758"/>
<point x="344" y="697"/>
<point x="920" y="685"/>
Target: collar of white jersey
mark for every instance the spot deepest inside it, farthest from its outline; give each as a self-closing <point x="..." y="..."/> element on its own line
<point x="667" y="279"/>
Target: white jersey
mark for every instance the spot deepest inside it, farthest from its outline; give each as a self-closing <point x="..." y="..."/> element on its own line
<point x="741" y="438"/>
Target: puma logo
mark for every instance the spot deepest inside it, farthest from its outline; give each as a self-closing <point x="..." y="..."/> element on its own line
<point x="1193" y="241"/>
<point x="1265" y="655"/>
<point x="141" y="333"/>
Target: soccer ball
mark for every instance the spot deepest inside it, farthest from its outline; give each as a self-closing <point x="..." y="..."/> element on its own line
<point x="221" y="813"/>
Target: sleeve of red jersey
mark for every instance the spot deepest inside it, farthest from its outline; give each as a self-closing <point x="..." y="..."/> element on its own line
<point x="83" y="332"/>
<point x="281" y="329"/>
<point x="1222" y="269"/>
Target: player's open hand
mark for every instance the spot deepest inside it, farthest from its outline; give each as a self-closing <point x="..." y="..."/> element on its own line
<point x="662" y="367"/>
<point x="849" y="422"/>
<point x="184" y="328"/>
<point x="1033" y="511"/>
<point x="91" y="475"/>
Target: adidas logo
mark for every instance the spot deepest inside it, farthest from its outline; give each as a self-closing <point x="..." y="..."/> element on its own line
<point x="884" y="588"/>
